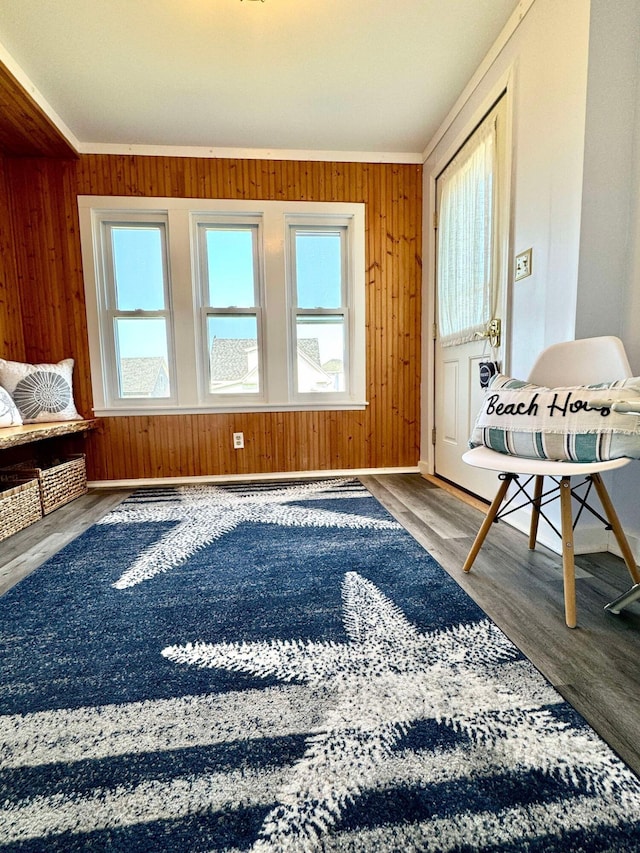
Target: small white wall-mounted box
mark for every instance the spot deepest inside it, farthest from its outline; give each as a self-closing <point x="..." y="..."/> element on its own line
<point x="523" y="265"/>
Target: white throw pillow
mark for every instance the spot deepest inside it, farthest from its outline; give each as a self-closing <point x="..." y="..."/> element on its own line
<point x="9" y="414"/>
<point x="42" y="392"/>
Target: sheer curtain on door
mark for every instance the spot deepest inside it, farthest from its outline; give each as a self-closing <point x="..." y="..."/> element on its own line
<point x="465" y="247"/>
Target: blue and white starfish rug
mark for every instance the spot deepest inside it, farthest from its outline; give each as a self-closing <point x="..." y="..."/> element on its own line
<point x="282" y="668"/>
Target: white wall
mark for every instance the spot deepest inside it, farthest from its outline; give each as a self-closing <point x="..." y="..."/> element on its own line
<point x="612" y="92"/>
<point x="619" y="180"/>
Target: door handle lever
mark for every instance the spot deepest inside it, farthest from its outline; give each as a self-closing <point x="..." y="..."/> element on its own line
<point x="493" y="332"/>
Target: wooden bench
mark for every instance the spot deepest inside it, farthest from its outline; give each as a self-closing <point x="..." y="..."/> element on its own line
<point x="28" y="433"/>
<point x="39" y="490"/>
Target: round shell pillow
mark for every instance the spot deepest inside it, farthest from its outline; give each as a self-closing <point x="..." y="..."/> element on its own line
<point x="41" y="392"/>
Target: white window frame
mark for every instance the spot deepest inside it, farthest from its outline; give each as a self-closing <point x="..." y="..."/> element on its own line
<point x="296" y="224"/>
<point x="109" y="311"/>
<point x="187" y="298"/>
<point x="199" y="224"/>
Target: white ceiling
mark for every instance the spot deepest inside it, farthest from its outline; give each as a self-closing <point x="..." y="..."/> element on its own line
<point x="313" y="75"/>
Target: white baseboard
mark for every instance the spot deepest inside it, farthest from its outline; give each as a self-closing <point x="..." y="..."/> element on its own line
<point x="246" y="478"/>
<point x="634" y="543"/>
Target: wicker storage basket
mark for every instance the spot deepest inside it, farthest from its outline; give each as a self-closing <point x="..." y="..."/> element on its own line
<point x="19" y="505"/>
<point x="62" y="482"/>
<point x="59" y="482"/>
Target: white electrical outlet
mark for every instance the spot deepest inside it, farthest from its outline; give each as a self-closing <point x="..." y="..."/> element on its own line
<point x="238" y="440"/>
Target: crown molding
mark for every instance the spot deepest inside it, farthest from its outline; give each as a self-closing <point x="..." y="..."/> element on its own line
<point x="399" y="157"/>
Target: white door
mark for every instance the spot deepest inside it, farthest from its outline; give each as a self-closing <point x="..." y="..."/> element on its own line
<point x="470" y="283"/>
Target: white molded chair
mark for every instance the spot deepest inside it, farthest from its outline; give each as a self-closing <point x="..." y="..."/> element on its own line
<point x="582" y="362"/>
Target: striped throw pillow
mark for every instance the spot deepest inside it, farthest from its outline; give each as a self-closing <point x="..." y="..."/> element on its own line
<point x="573" y="424"/>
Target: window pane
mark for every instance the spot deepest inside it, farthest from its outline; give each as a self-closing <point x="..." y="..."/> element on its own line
<point x="141" y="345"/>
<point x="320" y="344"/>
<point x="138" y="268"/>
<point x="230" y="268"/>
<point x="234" y="366"/>
<point x="319" y="269"/>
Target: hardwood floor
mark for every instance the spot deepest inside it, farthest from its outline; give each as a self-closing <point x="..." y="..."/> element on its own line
<point x="596" y="666"/>
<point x="23" y="552"/>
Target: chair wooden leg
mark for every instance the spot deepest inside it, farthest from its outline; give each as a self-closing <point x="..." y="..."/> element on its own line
<point x="488" y="521"/>
<point x="618" y="532"/>
<point x="535" y="514"/>
<point x="568" y="566"/>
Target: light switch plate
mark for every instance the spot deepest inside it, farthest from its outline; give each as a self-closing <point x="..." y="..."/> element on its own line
<point x="523" y="265"/>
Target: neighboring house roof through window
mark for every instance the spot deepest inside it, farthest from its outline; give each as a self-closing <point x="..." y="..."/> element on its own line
<point x="144" y="377"/>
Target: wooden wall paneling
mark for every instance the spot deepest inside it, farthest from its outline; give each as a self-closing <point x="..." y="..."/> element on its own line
<point x="39" y="253"/>
<point x="112" y="175"/>
<point x="128" y="459"/>
<point x="138" y="452"/>
<point x="152" y="448"/>
<point x="220" y="438"/>
<point x="372" y="265"/>
<point x="227" y="425"/>
<point x="411" y="246"/>
<point x="394" y="389"/>
<point x="386" y="434"/>
<point x="276" y="180"/>
<point x="256" y="186"/>
<point x="265" y="442"/>
<point x="232" y="180"/>
<point x="25" y="129"/>
<point x="154" y="176"/>
<point x="394" y="231"/>
<point x="375" y="343"/>
<point x="187" y="449"/>
<point x="299" y="446"/>
<point x="173" y="441"/>
<point x="214" y="450"/>
<point x="205" y="186"/>
<point x="174" y="445"/>
<point x="261" y="441"/>
<point x="288" y="179"/>
<point x="193" y="449"/>
<point x="76" y="341"/>
<point x="123" y="177"/>
<point x="401" y="403"/>
<point x="107" y="176"/>
<point x="171" y="454"/>
<point x="385" y="340"/>
<point x="275" y="443"/>
<point x="219" y="429"/>
<point x="307" y="440"/>
<point x="47" y="251"/>
<point x="86" y="171"/>
<point x="11" y="330"/>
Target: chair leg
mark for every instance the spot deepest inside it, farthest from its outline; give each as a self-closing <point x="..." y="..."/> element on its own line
<point x="488" y="521"/>
<point x="618" y="532"/>
<point x="535" y="514"/>
<point x="568" y="566"/>
<point x="624" y="600"/>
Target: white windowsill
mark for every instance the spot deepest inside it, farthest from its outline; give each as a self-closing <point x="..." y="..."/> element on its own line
<point x="228" y="410"/>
